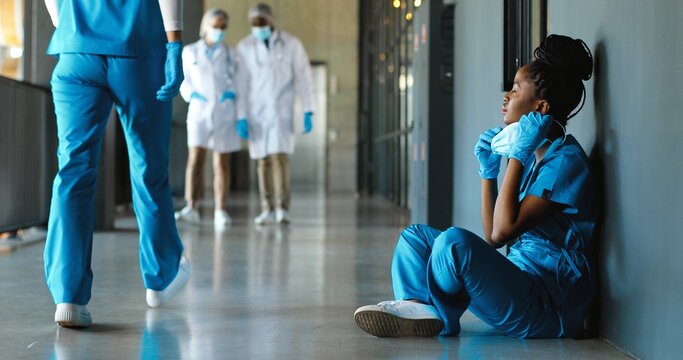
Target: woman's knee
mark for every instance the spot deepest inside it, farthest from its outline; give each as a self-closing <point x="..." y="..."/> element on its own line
<point x="456" y="241"/>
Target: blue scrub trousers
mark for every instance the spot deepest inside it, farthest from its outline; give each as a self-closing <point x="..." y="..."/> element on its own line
<point x="455" y="269"/>
<point x="84" y="88"/>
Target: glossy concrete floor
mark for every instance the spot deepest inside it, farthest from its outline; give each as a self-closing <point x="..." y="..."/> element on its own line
<point x="255" y="293"/>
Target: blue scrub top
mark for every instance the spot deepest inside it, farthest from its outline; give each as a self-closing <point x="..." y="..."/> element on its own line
<point x="109" y="27"/>
<point x="563" y="177"/>
<point x="555" y="249"/>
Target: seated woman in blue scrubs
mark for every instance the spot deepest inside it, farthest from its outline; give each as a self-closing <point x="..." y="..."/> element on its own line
<point x="545" y="209"/>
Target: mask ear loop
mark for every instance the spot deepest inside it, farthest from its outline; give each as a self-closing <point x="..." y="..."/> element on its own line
<point x="564" y="131"/>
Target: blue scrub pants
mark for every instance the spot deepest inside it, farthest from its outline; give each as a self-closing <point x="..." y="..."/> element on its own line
<point x="84" y="88"/>
<point x="455" y="269"/>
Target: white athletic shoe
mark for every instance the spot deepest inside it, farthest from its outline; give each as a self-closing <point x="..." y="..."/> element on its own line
<point x="282" y="216"/>
<point x="157" y="298"/>
<point x="221" y="218"/>
<point x="188" y="214"/>
<point x="265" y="218"/>
<point x="72" y="315"/>
<point x="399" y="318"/>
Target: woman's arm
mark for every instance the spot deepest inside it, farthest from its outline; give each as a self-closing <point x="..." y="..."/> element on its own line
<point x="489" y="193"/>
<point x="512" y="218"/>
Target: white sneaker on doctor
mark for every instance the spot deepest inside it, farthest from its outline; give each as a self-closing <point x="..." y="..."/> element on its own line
<point x="221" y="218"/>
<point x="72" y="315"/>
<point x="399" y="318"/>
<point x="265" y="218"/>
<point x="188" y="214"/>
<point x="282" y="216"/>
<point x="157" y="298"/>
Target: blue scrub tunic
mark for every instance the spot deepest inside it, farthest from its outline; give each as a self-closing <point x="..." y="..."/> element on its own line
<point x="109" y="27"/>
<point x="555" y="249"/>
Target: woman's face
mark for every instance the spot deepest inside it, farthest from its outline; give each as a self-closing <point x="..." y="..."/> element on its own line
<point x="220" y="23"/>
<point x="520" y="100"/>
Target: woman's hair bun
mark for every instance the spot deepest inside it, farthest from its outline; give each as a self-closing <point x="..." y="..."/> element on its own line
<point x="572" y="56"/>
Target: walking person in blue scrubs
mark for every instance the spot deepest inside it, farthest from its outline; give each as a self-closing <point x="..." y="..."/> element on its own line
<point x="544" y="209"/>
<point x="127" y="54"/>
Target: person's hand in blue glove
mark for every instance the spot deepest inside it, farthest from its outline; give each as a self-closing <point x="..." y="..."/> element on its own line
<point x="531" y="132"/>
<point x="197" y="96"/>
<point x="243" y="128"/>
<point x="173" y="71"/>
<point x="308" y="122"/>
<point x="489" y="162"/>
<point x="228" y="95"/>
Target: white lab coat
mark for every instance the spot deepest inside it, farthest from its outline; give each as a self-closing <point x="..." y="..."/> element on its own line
<point x="211" y="124"/>
<point x="274" y="74"/>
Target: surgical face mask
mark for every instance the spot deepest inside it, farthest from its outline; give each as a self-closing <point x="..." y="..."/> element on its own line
<point x="261" y="32"/>
<point x="215" y="35"/>
<point x="501" y="144"/>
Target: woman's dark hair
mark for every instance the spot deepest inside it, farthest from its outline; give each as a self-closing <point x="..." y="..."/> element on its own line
<point x="557" y="72"/>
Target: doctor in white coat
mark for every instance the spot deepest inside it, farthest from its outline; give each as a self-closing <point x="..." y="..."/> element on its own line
<point x="278" y="68"/>
<point x="212" y="87"/>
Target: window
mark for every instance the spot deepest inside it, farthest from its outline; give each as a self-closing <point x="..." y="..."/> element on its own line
<point x="524" y="27"/>
<point x="11" y="38"/>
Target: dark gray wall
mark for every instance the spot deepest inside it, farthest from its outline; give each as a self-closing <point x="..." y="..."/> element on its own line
<point x="631" y="121"/>
<point x="635" y="100"/>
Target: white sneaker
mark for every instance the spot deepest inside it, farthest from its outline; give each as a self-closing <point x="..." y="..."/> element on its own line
<point x="266" y="217"/>
<point x="188" y="214"/>
<point x="72" y="315"/>
<point x="158" y="298"/>
<point x="282" y="216"/>
<point x="399" y="318"/>
<point x="221" y="218"/>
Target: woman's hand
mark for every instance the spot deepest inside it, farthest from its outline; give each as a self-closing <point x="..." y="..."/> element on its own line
<point x="489" y="163"/>
<point x="531" y="132"/>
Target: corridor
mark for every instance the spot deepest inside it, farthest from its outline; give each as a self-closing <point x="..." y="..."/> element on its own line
<point x="279" y="292"/>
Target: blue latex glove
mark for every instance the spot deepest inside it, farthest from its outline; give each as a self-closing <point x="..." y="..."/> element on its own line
<point x="243" y="128"/>
<point x="308" y="122"/>
<point x="530" y="135"/>
<point x="197" y="96"/>
<point x="173" y="70"/>
<point x="228" y="95"/>
<point x="489" y="162"/>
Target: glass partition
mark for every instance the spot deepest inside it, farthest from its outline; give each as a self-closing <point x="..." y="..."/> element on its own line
<point x="11" y="38"/>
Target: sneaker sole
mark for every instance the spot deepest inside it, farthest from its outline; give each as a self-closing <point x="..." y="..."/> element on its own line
<point x="383" y="324"/>
<point x="69" y="319"/>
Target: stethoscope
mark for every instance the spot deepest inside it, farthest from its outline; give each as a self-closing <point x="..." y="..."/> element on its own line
<point x="277" y="39"/>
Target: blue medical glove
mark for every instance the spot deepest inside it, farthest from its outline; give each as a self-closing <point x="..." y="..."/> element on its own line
<point x="197" y="96"/>
<point x="530" y="135"/>
<point x="173" y="71"/>
<point x="228" y="95"/>
<point x="308" y="122"/>
<point x="489" y="162"/>
<point x="243" y="128"/>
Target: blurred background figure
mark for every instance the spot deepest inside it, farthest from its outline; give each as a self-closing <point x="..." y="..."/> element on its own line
<point x="277" y="64"/>
<point x="212" y="87"/>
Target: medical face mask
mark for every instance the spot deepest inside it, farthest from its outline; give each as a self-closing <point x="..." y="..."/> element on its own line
<point x="501" y="144"/>
<point x="261" y="32"/>
<point x="215" y="35"/>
